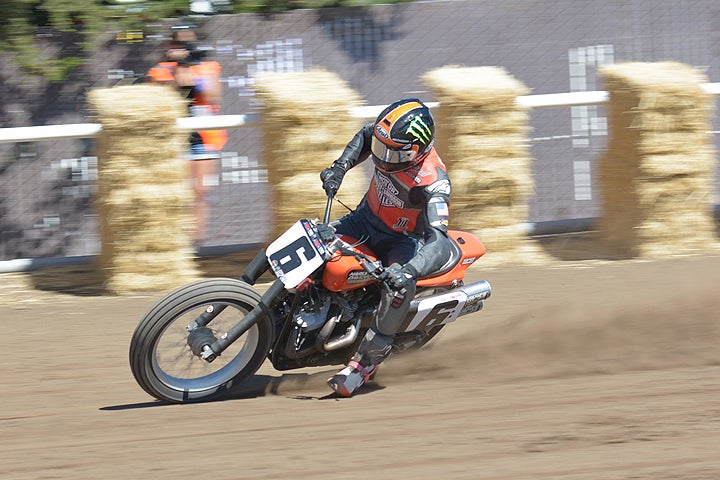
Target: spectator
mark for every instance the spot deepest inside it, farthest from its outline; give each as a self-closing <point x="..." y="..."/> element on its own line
<point x="184" y="67"/>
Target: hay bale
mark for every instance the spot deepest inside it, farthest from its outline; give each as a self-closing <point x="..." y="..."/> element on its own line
<point x="313" y="200"/>
<point x="483" y="139"/>
<point x="306" y="125"/>
<point x="656" y="177"/>
<point x="144" y="199"/>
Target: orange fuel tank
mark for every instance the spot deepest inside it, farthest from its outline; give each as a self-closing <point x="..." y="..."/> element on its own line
<point x="343" y="272"/>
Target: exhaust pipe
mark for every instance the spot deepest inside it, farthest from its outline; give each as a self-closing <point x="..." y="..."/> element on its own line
<point x="445" y="307"/>
<point x="477" y="293"/>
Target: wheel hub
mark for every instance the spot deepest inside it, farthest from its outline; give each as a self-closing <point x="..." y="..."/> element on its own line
<point x="200" y="338"/>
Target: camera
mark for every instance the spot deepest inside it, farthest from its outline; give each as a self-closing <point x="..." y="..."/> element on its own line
<point x="184" y="37"/>
<point x="196" y="54"/>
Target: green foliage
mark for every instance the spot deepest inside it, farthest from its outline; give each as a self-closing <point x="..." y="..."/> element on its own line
<point x="36" y="32"/>
<point x="33" y="30"/>
<point x="275" y="6"/>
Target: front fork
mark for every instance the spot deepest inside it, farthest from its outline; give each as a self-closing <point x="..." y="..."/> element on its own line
<point x="256" y="268"/>
<point x="203" y="343"/>
<point x="253" y="271"/>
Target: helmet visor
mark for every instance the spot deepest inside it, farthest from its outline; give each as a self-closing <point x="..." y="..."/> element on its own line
<point x="389" y="160"/>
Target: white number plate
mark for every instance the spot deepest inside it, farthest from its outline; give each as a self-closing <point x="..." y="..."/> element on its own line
<point x="296" y="254"/>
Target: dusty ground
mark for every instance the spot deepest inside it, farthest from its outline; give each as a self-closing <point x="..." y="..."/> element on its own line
<point x="584" y="369"/>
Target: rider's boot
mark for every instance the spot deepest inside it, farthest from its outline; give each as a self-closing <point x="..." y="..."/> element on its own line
<point x="374" y="348"/>
<point x="348" y="380"/>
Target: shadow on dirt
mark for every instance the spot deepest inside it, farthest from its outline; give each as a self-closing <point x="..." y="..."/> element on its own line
<point x="575" y="247"/>
<point x="586" y="245"/>
<point x="298" y="386"/>
<point x="88" y="279"/>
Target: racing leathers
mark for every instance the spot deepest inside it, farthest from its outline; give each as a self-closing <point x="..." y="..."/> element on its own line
<point x="403" y="218"/>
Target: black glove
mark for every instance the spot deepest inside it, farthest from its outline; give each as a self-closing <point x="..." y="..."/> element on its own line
<point x="332" y="178"/>
<point x="326" y="232"/>
<point x="397" y="277"/>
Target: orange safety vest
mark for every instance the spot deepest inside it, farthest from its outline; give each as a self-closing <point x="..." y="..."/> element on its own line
<point x="213" y="140"/>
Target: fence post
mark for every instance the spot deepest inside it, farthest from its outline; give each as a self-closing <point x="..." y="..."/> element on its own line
<point x="657" y="176"/>
<point x="144" y="199"/>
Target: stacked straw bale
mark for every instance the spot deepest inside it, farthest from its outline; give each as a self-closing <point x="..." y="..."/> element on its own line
<point x="482" y="138"/>
<point x="657" y="175"/>
<point x="306" y="125"/>
<point x="144" y="199"/>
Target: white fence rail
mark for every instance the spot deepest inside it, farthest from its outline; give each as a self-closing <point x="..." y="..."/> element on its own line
<point x="90" y="130"/>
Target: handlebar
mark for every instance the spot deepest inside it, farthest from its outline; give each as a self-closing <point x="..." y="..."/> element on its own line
<point x="373" y="268"/>
<point x="328" y="206"/>
<point x="376" y="269"/>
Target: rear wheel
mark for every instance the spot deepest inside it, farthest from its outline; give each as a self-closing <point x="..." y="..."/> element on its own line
<point x="429" y="335"/>
<point x="161" y="358"/>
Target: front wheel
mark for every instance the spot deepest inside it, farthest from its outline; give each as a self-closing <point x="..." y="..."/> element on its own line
<point x="162" y="361"/>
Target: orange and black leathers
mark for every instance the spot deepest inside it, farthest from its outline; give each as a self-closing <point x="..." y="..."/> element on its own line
<point x="411" y="203"/>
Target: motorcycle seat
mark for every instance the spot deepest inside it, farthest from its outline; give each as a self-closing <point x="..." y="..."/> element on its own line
<point x="455" y="256"/>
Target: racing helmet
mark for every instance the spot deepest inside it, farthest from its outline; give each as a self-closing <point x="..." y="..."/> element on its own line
<point x="402" y="134"/>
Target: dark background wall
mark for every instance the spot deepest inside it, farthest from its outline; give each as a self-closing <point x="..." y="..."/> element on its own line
<point x="553" y="46"/>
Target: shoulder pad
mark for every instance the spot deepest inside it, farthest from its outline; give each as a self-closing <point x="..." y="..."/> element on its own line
<point x="439" y="187"/>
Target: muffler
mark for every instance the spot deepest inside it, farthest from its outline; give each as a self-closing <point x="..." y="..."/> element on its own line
<point x="445" y="307"/>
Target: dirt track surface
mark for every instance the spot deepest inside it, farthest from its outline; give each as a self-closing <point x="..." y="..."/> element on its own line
<point x="586" y="370"/>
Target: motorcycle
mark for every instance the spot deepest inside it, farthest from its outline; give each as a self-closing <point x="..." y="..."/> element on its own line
<point x="206" y="338"/>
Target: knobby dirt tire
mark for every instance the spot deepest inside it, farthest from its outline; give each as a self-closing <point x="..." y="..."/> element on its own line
<point x="180" y="376"/>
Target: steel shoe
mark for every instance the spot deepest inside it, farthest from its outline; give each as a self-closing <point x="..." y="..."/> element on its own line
<point x="349" y="379"/>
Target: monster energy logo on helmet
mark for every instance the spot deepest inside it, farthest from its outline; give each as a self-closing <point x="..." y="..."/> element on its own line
<point x="420" y="130"/>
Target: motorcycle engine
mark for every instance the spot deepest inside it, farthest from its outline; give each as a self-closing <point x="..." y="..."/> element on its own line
<point x="310" y="317"/>
<point x="318" y="321"/>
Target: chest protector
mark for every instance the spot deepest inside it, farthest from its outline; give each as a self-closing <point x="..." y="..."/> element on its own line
<point x="399" y="199"/>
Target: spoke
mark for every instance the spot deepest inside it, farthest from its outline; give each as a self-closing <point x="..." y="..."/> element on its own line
<point x="176" y="365"/>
